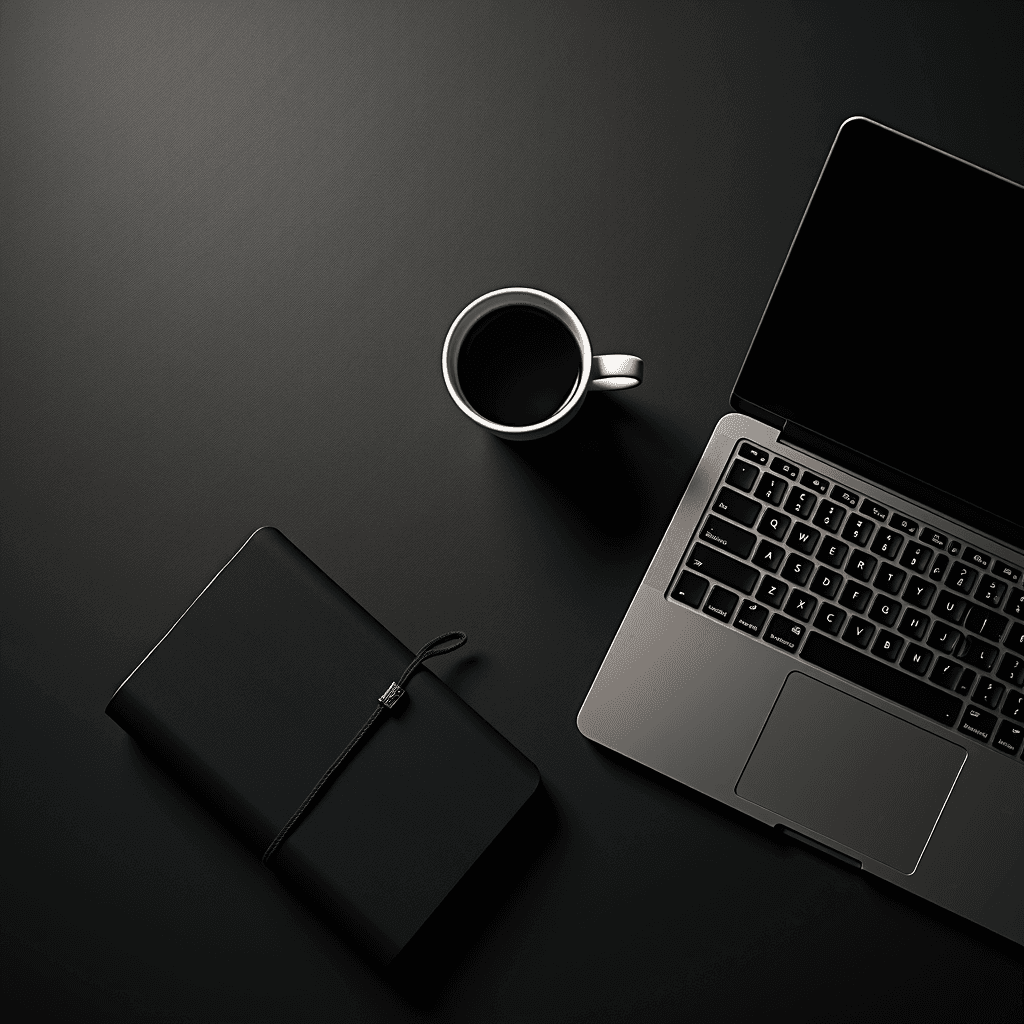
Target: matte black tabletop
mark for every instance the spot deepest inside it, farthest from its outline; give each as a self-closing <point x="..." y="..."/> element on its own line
<point x="233" y="238"/>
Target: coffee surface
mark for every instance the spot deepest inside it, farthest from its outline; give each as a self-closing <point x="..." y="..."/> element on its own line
<point x="518" y="365"/>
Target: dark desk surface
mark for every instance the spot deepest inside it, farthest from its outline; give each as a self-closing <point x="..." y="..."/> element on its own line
<point x="233" y="239"/>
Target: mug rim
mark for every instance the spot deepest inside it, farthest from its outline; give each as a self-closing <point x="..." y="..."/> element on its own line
<point x="485" y="304"/>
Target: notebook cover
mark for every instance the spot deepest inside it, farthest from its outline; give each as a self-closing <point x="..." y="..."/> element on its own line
<point x="254" y="692"/>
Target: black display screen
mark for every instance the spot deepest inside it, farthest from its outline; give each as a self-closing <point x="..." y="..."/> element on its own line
<point x="894" y="328"/>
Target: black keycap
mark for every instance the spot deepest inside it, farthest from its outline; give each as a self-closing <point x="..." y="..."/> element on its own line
<point x="861" y="566"/>
<point x="944" y="638"/>
<point x="800" y="502"/>
<point x="784" y="633"/>
<point x="800" y="605"/>
<point x="965" y="682"/>
<point x="736" y="507"/>
<point x="1006" y="572"/>
<point x="1015" y="604"/>
<point x="786" y="468"/>
<point x="854" y="596"/>
<point x="887" y="544"/>
<point x="770" y="488"/>
<point x="690" y="589"/>
<point x="769" y="556"/>
<point x="749" y="452"/>
<point x="903" y="524"/>
<point x="977" y="723"/>
<point x="728" y="537"/>
<point x="887" y="646"/>
<point x="918" y="592"/>
<point x="933" y="537"/>
<point x="985" y="623"/>
<point x="938" y="569"/>
<point x="885" y="610"/>
<point x="961" y="578"/>
<point x="954" y="547"/>
<point x="742" y="475"/>
<point x="829" y="619"/>
<point x="845" y="496"/>
<point x="811" y="480"/>
<point x="874" y="510"/>
<point x="1015" y="638"/>
<point x="916" y="660"/>
<point x="946" y="673"/>
<point x="884" y="680"/>
<point x="916" y="557"/>
<point x="975" y="557"/>
<point x="988" y="693"/>
<point x="721" y="603"/>
<point x="859" y="632"/>
<point x="858" y="530"/>
<point x="826" y="582"/>
<point x="803" y="538"/>
<point x="991" y="591"/>
<point x="832" y="552"/>
<point x="1011" y="669"/>
<point x="772" y="591"/>
<point x="1014" y="706"/>
<point x="797" y="569"/>
<point x="750" y="618"/>
<point x="1008" y="738"/>
<point x="914" y="624"/>
<point x="722" y="568"/>
<point x="889" y="578"/>
<point x="977" y="653"/>
<point x="950" y="607"/>
<point x="774" y="525"/>
<point x="829" y="516"/>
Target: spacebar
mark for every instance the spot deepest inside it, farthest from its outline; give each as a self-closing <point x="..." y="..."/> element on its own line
<point x="881" y="679"/>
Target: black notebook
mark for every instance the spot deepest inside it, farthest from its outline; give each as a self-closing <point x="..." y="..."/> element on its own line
<point x="254" y="692"/>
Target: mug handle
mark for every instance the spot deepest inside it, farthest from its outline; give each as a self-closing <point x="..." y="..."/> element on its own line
<point x="616" y="373"/>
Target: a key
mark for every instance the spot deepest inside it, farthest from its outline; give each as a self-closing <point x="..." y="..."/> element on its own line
<point x="751" y="454"/>
<point x="784" y="633"/>
<point x="1015" y="604"/>
<point x="991" y="591"/>
<point x="832" y="553"/>
<point x="829" y="516"/>
<point x="977" y="723"/>
<point x="918" y="592"/>
<point x="722" y="568"/>
<point x="914" y="624"/>
<point x="938" y="569"/>
<point x="774" y="525"/>
<point x="721" y="603"/>
<point x="885" y="610"/>
<point x="854" y="596"/>
<point x="858" y="530"/>
<point x="786" y="468"/>
<point x="933" y="537"/>
<point x="845" y="496"/>
<point x="861" y="566"/>
<point x="961" y="578"/>
<point x="829" y="619"/>
<point x="1006" y="572"/>
<point x="750" y="618"/>
<point x="950" y="607"/>
<point x="797" y="569"/>
<point x="736" y="507"/>
<point x="965" y="682"/>
<point x="1014" y="706"/>
<point x="889" y="578"/>
<point x="953" y="547"/>
<point x="1008" y="738"/>
<point x="826" y="582"/>
<point x="800" y="503"/>
<point x="916" y="660"/>
<point x="728" y="537"/>
<point x="800" y="605"/>
<point x="988" y="693"/>
<point x="874" y="510"/>
<point x="741" y="476"/>
<point x="916" y="557"/>
<point x="944" y="638"/>
<point x="690" y="589"/>
<point x="977" y="653"/>
<point x="903" y="524"/>
<point x="769" y="556"/>
<point x="859" y="632"/>
<point x="812" y="480"/>
<point x="1011" y="669"/>
<point x="772" y="591"/>
<point x="985" y="623"/>
<point x="946" y="673"/>
<point x="887" y="544"/>
<point x="975" y="557"/>
<point x="770" y="488"/>
<point x="803" y="538"/>
<point x="887" y="646"/>
<point x="1015" y="638"/>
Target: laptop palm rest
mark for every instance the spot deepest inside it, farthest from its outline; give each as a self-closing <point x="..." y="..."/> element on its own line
<point x="851" y="773"/>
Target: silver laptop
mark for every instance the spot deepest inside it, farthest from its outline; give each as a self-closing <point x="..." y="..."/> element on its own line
<point x="830" y="637"/>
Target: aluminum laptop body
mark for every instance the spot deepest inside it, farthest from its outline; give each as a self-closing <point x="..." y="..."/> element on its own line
<point x="830" y="637"/>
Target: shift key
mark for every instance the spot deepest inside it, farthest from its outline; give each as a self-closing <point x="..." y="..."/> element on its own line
<point x="722" y="568"/>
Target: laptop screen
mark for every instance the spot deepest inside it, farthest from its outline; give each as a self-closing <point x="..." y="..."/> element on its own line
<point x="895" y="326"/>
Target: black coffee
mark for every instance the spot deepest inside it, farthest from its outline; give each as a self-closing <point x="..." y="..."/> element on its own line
<point x="518" y="365"/>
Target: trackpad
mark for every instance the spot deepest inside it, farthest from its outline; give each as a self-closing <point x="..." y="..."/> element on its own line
<point x="850" y="772"/>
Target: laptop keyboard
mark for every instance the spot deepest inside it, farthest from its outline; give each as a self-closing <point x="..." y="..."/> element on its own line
<point x="865" y="592"/>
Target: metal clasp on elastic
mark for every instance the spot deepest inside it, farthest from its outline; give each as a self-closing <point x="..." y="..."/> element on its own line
<point x="391" y="696"/>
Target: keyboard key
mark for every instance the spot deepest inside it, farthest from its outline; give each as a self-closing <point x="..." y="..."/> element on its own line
<point x="975" y="557"/>
<point x="826" y="582"/>
<point x="829" y="516"/>
<point x="991" y="591"/>
<point x="1008" y="738"/>
<point x="728" y="537"/>
<point x="961" y="578"/>
<point x="1015" y="638"/>
<point x="965" y="682"/>
<point x="829" y="619"/>
<point x="1014" y="706"/>
<point x="1011" y="669"/>
<point x="859" y="632"/>
<point x="889" y="578"/>
<point x="784" y="633"/>
<point x="845" y="496"/>
<point x="786" y="468"/>
<point x="1006" y="572"/>
<point x="858" y="530"/>
<point x="887" y="646"/>
<point x="736" y="507"/>
<point x="977" y="723"/>
<point x="773" y="525"/>
<point x="977" y="653"/>
<point x="916" y="557"/>
<point x="884" y="680"/>
<point x="916" y="660"/>
<point x="1015" y="605"/>
<point x="985" y="623"/>
<point x="800" y="503"/>
<point x="803" y="538"/>
<point x="769" y="556"/>
<point x="988" y="693"/>
<point x="690" y="589"/>
<point x="800" y="605"/>
<point x="811" y="480"/>
<point x="797" y="569"/>
<point x="938" y="568"/>
<point x="887" y="544"/>
<point x="722" y="569"/>
<point x="750" y="618"/>
<point x="946" y="673"/>
<point x="772" y="591"/>
<point x="721" y="603"/>
<point x="771" y="488"/>
<point x="903" y="524"/>
<point x="854" y="596"/>
<point x="861" y="566"/>
<point x="752" y="454"/>
<point x="953" y="547"/>
<point x="944" y="638"/>
<point x="742" y="476"/>
<point x="933" y="537"/>
<point x="918" y="592"/>
<point x="885" y="610"/>
<point x="875" y="511"/>
<point x="914" y="624"/>
<point x="950" y="607"/>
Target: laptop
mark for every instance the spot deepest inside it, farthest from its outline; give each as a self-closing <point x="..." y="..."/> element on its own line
<point x="830" y="637"/>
